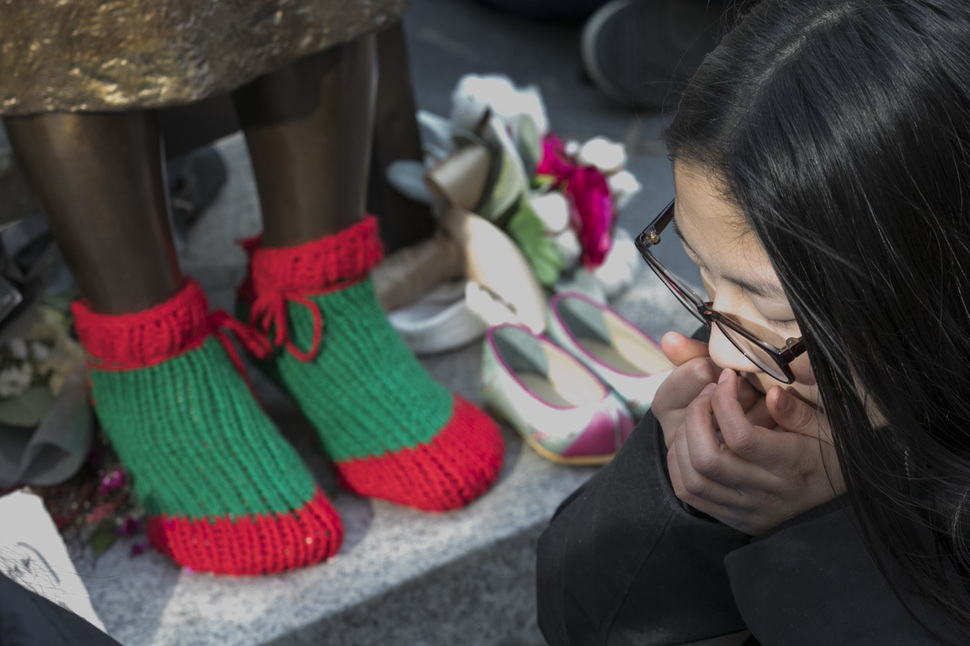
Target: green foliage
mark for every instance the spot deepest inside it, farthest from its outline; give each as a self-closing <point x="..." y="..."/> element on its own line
<point x="102" y="537"/>
<point x="528" y="143"/>
<point x="527" y="230"/>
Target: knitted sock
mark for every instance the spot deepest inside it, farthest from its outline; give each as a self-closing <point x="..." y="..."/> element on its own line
<point x="223" y="491"/>
<point x="392" y="431"/>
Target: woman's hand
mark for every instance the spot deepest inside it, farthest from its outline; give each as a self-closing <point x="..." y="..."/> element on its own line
<point x="694" y="371"/>
<point x="729" y="463"/>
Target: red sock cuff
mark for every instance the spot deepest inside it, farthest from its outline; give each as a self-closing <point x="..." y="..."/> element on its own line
<point x="142" y="339"/>
<point x="329" y="263"/>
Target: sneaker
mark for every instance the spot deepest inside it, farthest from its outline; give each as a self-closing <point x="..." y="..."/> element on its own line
<point x="642" y="52"/>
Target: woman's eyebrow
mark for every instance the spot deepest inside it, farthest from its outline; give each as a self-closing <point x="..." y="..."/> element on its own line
<point x="760" y="288"/>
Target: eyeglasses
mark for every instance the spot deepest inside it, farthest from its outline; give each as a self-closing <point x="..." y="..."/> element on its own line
<point x="768" y="357"/>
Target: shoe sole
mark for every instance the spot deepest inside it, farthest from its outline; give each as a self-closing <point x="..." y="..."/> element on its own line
<point x="580" y="461"/>
<point x="648" y="71"/>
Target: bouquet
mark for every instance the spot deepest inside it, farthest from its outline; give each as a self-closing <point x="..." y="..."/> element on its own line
<point x="557" y="200"/>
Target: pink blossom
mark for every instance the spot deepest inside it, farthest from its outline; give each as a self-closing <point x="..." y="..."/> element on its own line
<point x="111" y="481"/>
<point x="590" y="193"/>
<point x="554" y="160"/>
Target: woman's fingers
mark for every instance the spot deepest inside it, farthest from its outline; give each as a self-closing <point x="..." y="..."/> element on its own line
<point x="749" y="398"/>
<point x="747" y="475"/>
<point x="797" y="416"/>
<point x="678" y="390"/>
<point x="681" y="349"/>
<point x="697" y="489"/>
<point x="773" y="451"/>
<point x="708" y="452"/>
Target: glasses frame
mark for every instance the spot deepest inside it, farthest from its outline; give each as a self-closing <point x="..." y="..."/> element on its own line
<point x="701" y="309"/>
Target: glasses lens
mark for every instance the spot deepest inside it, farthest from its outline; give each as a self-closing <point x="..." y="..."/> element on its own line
<point x="683" y="293"/>
<point x="757" y="354"/>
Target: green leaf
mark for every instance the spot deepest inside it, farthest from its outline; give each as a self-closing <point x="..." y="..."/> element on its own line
<point x="525" y="227"/>
<point x="528" y="143"/>
<point x="102" y="537"/>
<point x="543" y="183"/>
<point x="28" y="409"/>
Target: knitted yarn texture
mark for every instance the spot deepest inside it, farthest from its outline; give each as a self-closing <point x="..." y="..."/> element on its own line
<point x="224" y="492"/>
<point x="392" y="431"/>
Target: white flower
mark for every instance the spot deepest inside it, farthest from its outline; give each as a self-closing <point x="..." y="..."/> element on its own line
<point x="620" y="266"/>
<point x="473" y="95"/>
<point x="603" y="153"/>
<point x="623" y="186"/>
<point x="15" y="380"/>
<point x="18" y="348"/>
<point x="553" y="209"/>
<point x="568" y="247"/>
<point x="40" y="351"/>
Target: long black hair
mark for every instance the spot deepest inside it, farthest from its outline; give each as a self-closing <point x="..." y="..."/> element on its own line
<point x="841" y="129"/>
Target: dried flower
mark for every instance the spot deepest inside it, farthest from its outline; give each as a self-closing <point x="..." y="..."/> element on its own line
<point x="129" y="527"/>
<point x="15" y="380"/>
<point x="112" y="481"/>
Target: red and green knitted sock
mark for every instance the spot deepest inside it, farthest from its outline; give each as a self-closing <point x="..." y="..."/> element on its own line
<point x="224" y="492"/>
<point x="392" y="431"/>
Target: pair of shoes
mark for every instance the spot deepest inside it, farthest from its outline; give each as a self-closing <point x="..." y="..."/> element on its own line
<point x="223" y="491"/>
<point x="629" y="361"/>
<point x="560" y="408"/>
<point x="642" y="52"/>
<point x="573" y="397"/>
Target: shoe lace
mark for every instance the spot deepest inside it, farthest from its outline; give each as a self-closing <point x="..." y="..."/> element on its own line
<point x="222" y="323"/>
<point x="269" y="317"/>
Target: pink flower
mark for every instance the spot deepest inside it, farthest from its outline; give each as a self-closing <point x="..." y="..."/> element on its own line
<point x="111" y="481"/>
<point x="554" y="160"/>
<point x="590" y="193"/>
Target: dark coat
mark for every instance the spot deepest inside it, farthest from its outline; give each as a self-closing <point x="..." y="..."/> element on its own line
<point x="28" y="619"/>
<point x="625" y="562"/>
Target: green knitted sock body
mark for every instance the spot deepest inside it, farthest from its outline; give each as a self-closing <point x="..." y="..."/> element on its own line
<point x="197" y="441"/>
<point x="224" y="492"/>
<point x="364" y="387"/>
<point x="393" y="432"/>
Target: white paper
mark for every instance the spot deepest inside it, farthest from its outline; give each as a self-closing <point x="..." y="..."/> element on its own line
<point x="33" y="554"/>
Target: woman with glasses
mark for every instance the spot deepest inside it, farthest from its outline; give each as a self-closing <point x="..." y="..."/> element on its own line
<point x="805" y="475"/>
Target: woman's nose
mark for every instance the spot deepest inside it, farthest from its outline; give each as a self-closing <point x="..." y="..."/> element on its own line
<point x="726" y="355"/>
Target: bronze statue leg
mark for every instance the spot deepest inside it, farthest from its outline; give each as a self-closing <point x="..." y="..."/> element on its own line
<point x="99" y="179"/>
<point x="308" y="129"/>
